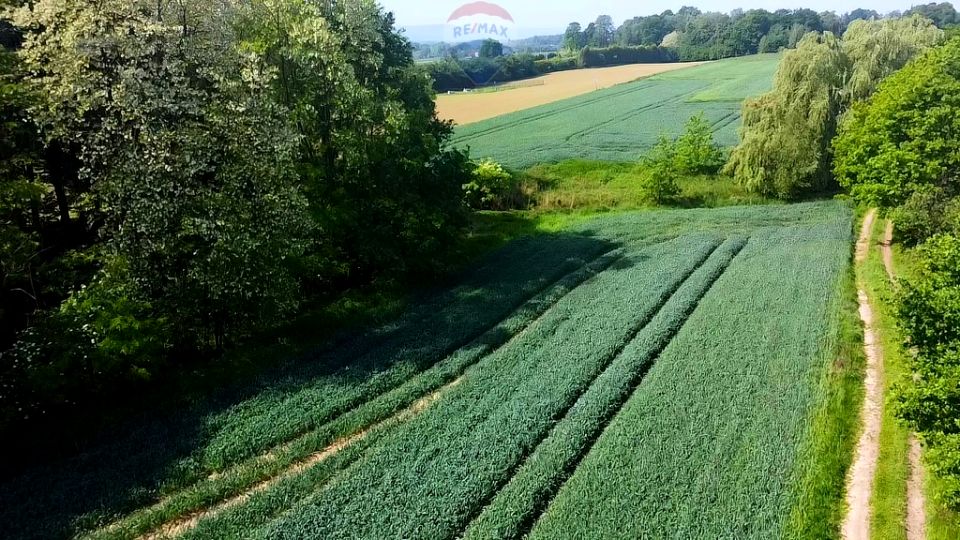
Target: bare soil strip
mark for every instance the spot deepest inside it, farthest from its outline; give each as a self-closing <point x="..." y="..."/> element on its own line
<point x="180" y="526"/>
<point x="856" y="524"/>
<point x="916" y="504"/>
<point x="863" y="244"/>
<point x="465" y="108"/>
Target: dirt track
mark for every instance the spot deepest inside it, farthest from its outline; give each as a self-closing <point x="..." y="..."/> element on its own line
<point x="856" y="524"/>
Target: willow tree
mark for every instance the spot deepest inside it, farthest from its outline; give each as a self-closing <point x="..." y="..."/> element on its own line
<point x="786" y="133"/>
<point x="878" y="48"/>
<point x="785" y="139"/>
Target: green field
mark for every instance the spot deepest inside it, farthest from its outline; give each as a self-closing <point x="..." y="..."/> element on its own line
<point x="664" y="365"/>
<point x="620" y="123"/>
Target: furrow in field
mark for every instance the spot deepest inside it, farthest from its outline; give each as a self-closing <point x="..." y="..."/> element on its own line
<point x="676" y="98"/>
<point x="239" y="479"/>
<point x="428" y="476"/>
<point x="552" y="110"/>
<point x="283" y="413"/>
<point x="709" y="443"/>
<point x="512" y="511"/>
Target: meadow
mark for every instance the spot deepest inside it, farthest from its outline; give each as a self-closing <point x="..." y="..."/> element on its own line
<point x="665" y="360"/>
<point x="620" y="123"/>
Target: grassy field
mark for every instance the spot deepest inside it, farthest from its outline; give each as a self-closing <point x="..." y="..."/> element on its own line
<point x="620" y="123"/>
<point x="677" y="358"/>
<point x="468" y="107"/>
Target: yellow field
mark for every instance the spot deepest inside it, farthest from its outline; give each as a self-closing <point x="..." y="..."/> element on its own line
<point x="464" y="108"/>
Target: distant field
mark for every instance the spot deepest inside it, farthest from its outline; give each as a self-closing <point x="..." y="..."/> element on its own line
<point x="465" y="108"/>
<point x="620" y="123"/>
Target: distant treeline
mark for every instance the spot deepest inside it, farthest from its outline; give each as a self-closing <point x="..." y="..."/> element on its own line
<point x="460" y="73"/>
<point x="686" y="35"/>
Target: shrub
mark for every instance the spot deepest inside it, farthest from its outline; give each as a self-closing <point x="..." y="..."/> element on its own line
<point x="929" y="309"/>
<point x="927" y="212"/>
<point x="695" y="151"/>
<point x="489" y="186"/>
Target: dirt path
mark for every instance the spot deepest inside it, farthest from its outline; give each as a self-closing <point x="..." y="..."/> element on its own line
<point x="856" y="524"/>
<point x="916" y="505"/>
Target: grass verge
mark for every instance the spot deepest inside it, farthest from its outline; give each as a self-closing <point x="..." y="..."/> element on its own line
<point x="818" y="506"/>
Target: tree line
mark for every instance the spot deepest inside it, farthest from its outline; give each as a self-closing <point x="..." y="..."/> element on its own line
<point x="175" y="175"/>
<point x="701" y="35"/>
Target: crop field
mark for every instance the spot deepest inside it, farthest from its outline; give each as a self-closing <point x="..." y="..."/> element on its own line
<point x="468" y="107"/>
<point x="639" y="375"/>
<point x="620" y="123"/>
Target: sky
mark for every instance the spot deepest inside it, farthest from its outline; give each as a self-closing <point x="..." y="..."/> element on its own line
<point x="556" y="14"/>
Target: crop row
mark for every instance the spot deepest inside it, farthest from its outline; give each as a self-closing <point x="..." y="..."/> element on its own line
<point x="518" y="504"/>
<point x="428" y="477"/>
<point x="708" y="445"/>
<point x="240" y="477"/>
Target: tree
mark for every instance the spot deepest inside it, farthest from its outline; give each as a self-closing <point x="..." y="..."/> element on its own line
<point x="907" y="135"/>
<point x="942" y="14"/>
<point x="605" y="31"/>
<point x="491" y="48"/>
<point x="786" y="132"/>
<point x="194" y="165"/>
<point x="573" y="39"/>
<point x="785" y="139"/>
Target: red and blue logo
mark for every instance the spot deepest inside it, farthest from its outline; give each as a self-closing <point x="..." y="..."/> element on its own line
<point x="479" y="21"/>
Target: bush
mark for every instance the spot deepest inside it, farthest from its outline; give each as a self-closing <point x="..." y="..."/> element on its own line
<point x="695" y="151"/>
<point x="929" y="309"/>
<point x="660" y="184"/>
<point x="488" y="186"/>
<point x="927" y="212"/>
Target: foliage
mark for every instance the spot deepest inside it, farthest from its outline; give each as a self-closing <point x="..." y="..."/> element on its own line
<point x="785" y="147"/>
<point x="233" y="158"/>
<point x="929" y="211"/>
<point x="488" y="187"/>
<point x="695" y="151"/>
<point x="907" y="136"/>
<point x="786" y="133"/>
<point x="623" y="122"/>
<point x="491" y="48"/>
<point x="929" y="310"/>
<point x="613" y="56"/>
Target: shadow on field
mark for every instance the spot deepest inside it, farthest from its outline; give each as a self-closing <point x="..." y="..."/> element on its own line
<point x="69" y="485"/>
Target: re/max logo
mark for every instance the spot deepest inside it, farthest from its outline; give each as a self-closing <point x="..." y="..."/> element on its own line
<point x="490" y="29"/>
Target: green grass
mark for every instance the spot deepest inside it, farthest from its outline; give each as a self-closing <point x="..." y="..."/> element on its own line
<point x="622" y="122"/>
<point x="603" y="186"/>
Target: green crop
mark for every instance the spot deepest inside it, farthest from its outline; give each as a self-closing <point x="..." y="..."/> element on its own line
<point x="622" y="122"/>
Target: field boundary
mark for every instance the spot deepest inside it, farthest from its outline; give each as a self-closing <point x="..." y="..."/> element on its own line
<point x="610" y="409"/>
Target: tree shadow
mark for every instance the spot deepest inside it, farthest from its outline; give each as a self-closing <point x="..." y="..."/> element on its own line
<point x="75" y="484"/>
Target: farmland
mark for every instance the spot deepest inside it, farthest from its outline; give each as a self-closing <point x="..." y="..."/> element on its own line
<point x="637" y="352"/>
<point x="466" y="108"/>
<point x="621" y="122"/>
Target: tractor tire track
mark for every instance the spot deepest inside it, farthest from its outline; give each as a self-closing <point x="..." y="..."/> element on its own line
<point x="590" y="412"/>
